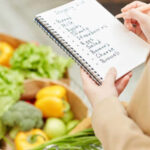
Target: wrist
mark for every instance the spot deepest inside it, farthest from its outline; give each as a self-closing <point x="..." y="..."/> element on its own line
<point x="98" y="102"/>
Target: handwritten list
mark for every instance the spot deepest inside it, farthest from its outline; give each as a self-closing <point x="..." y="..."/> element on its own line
<point x="103" y="51"/>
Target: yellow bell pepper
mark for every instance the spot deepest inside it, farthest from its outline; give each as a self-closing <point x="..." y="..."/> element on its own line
<point x="53" y="91"/>
<point x="51" y="106"/>
<point x="6" y="52"/>
<point x="29" y="140"/>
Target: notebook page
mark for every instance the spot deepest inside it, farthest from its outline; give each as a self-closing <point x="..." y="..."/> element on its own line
<point x="97" y="36"/>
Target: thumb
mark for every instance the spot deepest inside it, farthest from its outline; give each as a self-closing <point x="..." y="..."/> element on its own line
<point x="111" y="76"/>
<point x="137" y="15"/>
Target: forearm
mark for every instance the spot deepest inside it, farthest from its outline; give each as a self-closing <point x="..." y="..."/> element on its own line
<point x="115" y="130"/>
<point x="139" y="108"/>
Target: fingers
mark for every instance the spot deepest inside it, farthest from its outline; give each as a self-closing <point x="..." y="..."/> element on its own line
<point x="138" y="31"/>
<point x="109" y="79"/>
<point x="137" y="15"/>
<point x="111" y="76"/>
<point x="130" y="74"/>
<point x="128" y="24"/>
<point x="123" y="82"/>
<point x="142" y="22"/>
<point x="132" y="5"/>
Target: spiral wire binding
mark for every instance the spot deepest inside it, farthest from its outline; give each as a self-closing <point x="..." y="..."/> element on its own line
<point x="66" y="47"/>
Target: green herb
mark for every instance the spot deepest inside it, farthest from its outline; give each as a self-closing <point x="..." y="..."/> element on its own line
<point x="85" y="140"/>
<point x="39" y="62"/>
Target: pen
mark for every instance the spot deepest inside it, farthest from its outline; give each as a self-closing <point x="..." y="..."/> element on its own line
<point x="142" y="9"/>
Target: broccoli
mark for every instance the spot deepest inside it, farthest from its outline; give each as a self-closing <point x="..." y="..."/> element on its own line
<point x="22" y="116"/>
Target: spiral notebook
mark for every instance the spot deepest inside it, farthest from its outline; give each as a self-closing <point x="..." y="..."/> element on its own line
<point x="94" y="38"/>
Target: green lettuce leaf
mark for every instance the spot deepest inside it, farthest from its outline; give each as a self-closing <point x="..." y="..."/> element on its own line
<point x="11" y="88"/>
<point x="39" y="62"/>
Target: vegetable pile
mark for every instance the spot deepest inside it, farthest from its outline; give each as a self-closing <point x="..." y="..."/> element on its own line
<point x="46" y="122"/>
<point x="48" y="117"/>
<point x="39" y="62"/>
<point x="52" y="101"/>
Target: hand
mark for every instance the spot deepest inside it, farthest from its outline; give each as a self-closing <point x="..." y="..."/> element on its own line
<point x="136" y="21"/>
<point x="109" y="87"/>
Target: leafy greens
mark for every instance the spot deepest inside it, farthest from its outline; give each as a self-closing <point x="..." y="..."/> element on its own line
<point x="39" y="62"/>
<point x="11" y="87"/>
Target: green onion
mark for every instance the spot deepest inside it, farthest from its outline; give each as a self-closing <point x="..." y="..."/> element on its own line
<point x="85" y="140"/>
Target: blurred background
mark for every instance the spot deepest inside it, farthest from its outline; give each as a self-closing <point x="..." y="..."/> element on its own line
<point x="115" y="5"/>
<point x="16" y="19"/>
